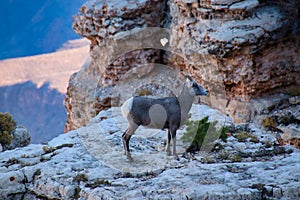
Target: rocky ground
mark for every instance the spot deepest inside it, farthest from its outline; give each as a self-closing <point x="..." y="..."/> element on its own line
<point x="88" y="163"/>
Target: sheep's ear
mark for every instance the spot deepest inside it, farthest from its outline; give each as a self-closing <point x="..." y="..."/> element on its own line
<point x="187" y="75"/>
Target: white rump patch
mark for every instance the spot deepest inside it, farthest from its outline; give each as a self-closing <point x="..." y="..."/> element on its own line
<point x="126" y="107"/>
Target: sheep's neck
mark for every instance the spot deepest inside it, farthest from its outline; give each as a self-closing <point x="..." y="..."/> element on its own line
<point x="185" y="100"/>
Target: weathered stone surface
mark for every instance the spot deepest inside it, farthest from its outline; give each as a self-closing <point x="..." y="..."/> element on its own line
<point x="98" y="20"/>
<point x="294" y="100"/>
<point x="244" y="5"/>
<point x="21" y="138"/>
<point x="245" y="54"/>
<point x="88" y="163"/>
<point x="240" y="50"/>
<point x="285" y="121"/>
<point x="223" y="2"/>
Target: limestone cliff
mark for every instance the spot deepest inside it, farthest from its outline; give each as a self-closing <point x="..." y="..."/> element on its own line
<point x="245" y="52"/>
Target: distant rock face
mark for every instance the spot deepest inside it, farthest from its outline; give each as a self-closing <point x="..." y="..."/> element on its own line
<point x="33" y="88"/>
<point x="39" y="21"/>
<point x="247" y="49"/>
<point x="40" y="110"/>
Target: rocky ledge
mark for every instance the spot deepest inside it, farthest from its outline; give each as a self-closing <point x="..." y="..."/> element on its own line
<point x="88" y="163"/>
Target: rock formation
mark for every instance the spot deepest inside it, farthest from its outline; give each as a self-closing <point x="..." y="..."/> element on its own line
<point x="20" y="138"/>
<point x="245" y="52"/>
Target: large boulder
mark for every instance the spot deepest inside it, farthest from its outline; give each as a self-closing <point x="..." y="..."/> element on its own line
<point x="20" y="138"/>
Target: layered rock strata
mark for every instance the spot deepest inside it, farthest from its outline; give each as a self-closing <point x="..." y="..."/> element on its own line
<point x="242" y="51"/>
<point x="254" y="47"/>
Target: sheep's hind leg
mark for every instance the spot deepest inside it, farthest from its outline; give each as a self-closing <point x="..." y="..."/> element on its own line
<point x="168" y="143"/>
<point x="125" y="138"/>
<point x="173" y="134"/>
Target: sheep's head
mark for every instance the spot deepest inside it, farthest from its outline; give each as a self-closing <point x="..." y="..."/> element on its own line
<point x="199" y="89"/>
<point x="195" y="88"/>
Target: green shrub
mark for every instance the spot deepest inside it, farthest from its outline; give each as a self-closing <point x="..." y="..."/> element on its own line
<point x="81" y="177"/>
<point x="7" y="127"/>
<point x="196" y="132"/>
<point x="48" y="149"/>
<point x="244" y="136"/>
<point x="236" y="158"/>
<point x="269" y="122"/>
<point x="144" y="92"/>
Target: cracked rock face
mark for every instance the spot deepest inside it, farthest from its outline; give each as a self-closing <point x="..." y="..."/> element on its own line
<point x="247" y="49"/>
<point x="254" y="46"/>
<point x="98" y="20"/>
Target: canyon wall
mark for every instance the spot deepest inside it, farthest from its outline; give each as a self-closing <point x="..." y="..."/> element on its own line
<point x="245" y="52"/>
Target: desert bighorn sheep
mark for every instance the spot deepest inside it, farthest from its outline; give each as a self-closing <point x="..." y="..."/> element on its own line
<point x="160" y="113"/>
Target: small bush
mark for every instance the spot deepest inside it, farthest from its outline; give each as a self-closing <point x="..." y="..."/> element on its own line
<point x="7" y="127"/>
<point x="209" y="160"/>
<point x="5" y="138"/>
<point x="244" y="136"/>
<point x="81" y="177"/>
<point x="236" y="158"/>
<point x="144" y="92"/>
<point x="48" y="149"/>
<point x="269" y="122"/>
<point x="196" y="132"/>
<point x="223" y="155"/>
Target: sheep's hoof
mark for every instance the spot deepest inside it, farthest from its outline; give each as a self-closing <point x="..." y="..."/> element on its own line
<point x="176" y="157"/>
<point x="130" y="159"/>
<point x="169" y="153"/>
<point x="128" y="155"/>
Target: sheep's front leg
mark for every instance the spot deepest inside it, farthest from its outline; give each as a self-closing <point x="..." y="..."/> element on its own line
<point x="173" y="134"/>
<point x="168" y="143"/>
